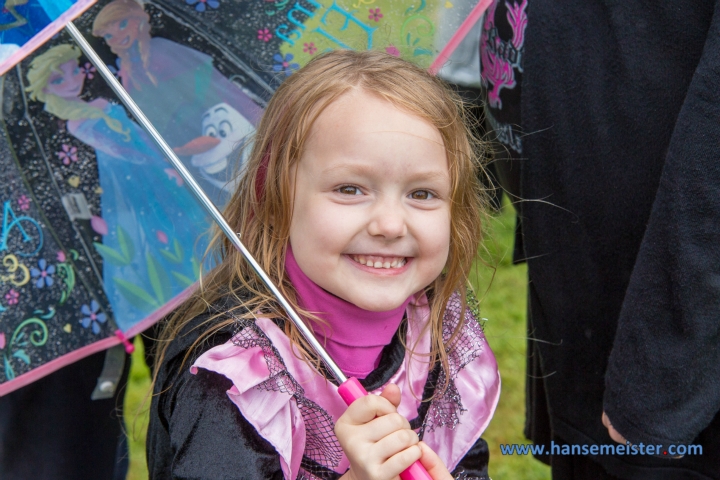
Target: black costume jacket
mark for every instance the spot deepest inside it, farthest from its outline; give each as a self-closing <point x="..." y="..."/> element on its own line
<point x="196" y="432"/>
<point x="618" y="169"/>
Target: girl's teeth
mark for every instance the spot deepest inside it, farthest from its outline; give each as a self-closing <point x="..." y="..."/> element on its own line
<point x="379" y="262"/>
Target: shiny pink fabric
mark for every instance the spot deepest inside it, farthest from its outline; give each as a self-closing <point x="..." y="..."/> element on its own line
<point x="354" y="337"/>
<point x="274" y="414"/>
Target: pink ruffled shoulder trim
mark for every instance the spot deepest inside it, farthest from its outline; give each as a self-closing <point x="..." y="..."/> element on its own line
<point x="279" y="393"/>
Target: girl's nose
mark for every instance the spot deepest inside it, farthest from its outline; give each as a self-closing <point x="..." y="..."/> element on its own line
<point x="388" y="221"/>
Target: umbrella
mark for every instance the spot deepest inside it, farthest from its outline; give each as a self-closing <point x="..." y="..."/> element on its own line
<point x="101" y="235"/>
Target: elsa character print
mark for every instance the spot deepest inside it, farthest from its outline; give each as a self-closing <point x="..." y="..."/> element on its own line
<point x="153" y="224"/>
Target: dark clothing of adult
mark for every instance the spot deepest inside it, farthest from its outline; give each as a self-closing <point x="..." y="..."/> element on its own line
<point x="52" y="430"/>
<point x="196" y="432"/>
<point x="620" y="177"/>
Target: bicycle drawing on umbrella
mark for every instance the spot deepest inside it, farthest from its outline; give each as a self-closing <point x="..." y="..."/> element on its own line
<point x="20" y="233"/>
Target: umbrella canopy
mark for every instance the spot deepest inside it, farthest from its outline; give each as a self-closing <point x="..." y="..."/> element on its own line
<point x="101" y="238"/>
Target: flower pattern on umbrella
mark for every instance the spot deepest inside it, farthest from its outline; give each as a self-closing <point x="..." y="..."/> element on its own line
<point x="23" y="202"/>
<point x="92" y="317"/>
<point x="12" y="297"/>
<point x="200" y="4"/>
<point x="264" y="35"/>
<point x="375" y="15"/>
<point x="43" y="274"/>
<point x="67" y="154"/>
<point x="285" y="65"/>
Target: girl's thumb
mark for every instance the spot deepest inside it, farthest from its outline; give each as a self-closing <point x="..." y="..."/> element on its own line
<point x="392" y="394"/>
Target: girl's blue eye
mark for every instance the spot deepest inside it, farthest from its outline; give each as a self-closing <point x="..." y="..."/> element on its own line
<point x="349" y="190"/>
<point x="107" y="36"/>
<point x="123" y="24"/>
<point x="57" y="80"/>
<point x="76" y="71"/>
<point x="422" y="195"/>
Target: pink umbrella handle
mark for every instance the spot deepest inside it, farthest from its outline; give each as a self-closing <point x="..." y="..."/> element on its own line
<point x="350" y="390"/>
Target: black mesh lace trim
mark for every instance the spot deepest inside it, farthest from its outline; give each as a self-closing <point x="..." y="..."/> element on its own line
<point x="321" y="445"/>
<point x="445" y="409"/>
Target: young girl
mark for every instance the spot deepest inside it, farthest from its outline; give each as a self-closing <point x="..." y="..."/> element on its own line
<point x="360" y="199"/>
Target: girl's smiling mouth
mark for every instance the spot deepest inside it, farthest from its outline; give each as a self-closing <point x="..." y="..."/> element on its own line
<point x="379" y="262"/>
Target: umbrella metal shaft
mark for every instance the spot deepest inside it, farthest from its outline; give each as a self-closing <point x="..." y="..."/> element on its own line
<point x="206" y="203"/>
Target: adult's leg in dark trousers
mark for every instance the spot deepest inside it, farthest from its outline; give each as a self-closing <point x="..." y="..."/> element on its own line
<point x="576" y="467"/>
<point x="52" y="430"/>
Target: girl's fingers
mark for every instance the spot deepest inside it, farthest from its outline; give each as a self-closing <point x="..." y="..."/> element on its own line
<point x="383" y="426"/>
<point x="376" y="429"/>
<point x="400" y="462"/>
<point x="432" y="463"/>
<point x="394" y="443"/>
<point x="365" y="409"/>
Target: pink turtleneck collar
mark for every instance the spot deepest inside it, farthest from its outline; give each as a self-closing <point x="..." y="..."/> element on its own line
<point x="355" y="337"/>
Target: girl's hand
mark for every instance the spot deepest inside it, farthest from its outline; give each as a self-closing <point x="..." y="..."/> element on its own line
<point x="377" y="440"/>
<point x="432" y="463"/>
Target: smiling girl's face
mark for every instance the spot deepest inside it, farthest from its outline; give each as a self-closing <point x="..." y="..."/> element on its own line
<point x="67" y="81"/>
<point x="121" y="34"/>
<point x="371" y="208"/>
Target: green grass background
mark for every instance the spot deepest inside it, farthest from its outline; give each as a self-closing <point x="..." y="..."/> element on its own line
<point x="502" y="290"/>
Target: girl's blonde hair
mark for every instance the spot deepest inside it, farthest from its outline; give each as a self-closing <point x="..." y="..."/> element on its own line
<point x="41" y="68"/>
<point x="261" y="208"/>
<point x="116" y="11"/>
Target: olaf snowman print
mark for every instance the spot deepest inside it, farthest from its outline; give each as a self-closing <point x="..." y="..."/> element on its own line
<point x="225" y="131"/>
